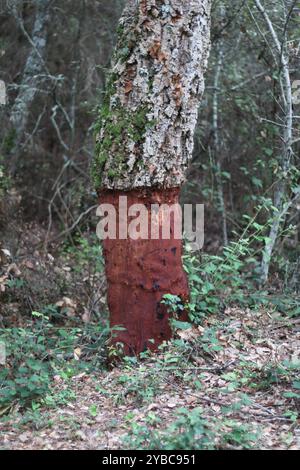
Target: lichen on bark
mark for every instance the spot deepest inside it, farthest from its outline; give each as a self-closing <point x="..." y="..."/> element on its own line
<point x="146" y="124"/>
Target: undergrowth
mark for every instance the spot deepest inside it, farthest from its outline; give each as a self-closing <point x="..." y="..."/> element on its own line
<point x="45" y="348"/>
<point x="33" y="356"/>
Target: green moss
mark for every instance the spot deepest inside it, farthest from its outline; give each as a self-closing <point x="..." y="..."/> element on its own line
<point x="120" y="30"/>
<point x="124" y="53"/>
<point x="117" y="124"/>
<point x="111" y="173"/>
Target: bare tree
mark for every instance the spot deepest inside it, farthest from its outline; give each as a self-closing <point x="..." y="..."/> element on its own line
<point x="216" y="147"/>
<point x="33" y="69"/>
<point x="278" y="43"/>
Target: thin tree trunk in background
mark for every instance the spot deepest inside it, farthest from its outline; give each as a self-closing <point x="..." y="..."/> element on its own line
<point x="144" y="145"/>
<point x="281" y="202"/>
<point x="216" y="143"/>
<point x="31" y="76"/>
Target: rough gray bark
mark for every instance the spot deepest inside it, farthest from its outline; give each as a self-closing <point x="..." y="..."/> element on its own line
<point x="147" y="122"/>
<point x="33" y="68"/>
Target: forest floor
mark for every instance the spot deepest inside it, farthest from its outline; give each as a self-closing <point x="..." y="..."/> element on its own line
<point x="237" y="392"/>
<point x="231" y="383"/>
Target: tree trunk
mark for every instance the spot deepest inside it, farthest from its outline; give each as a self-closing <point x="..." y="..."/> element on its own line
<point x="281" y="203"/>
<point x="144" y="144"/>
<point x="31" y="77"/>
<point x="216" y="143"/>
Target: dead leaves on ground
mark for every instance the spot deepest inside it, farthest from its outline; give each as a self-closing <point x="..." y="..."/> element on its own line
<point x="251" y="343"/>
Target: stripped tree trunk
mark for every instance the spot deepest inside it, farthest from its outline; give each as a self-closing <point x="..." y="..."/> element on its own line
<point x="144" y="145"/>
<point x="32" y="73"/>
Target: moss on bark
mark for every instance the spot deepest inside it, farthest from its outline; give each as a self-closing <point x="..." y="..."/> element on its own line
<point x="116" y="126"/>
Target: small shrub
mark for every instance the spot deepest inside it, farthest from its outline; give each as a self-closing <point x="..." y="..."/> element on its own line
<point x="37" y="353"/>
<point x="190" y="431"/>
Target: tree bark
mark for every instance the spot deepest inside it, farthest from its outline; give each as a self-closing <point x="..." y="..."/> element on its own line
<point x="144" y="144"/>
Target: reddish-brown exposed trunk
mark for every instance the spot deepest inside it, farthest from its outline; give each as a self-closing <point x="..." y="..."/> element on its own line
<point x="139" y="273"/>
<point x="144" y="142"/>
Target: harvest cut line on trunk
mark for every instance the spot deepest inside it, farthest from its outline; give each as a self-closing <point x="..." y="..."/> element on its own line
<point x="144" y="143"/>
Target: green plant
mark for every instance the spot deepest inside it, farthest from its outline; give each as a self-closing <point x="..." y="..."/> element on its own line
<point x="86" y="254"/>
<point x="34" y="419"/>
<point x="140" y="387"/>
<point x="174" y="304"/>
<point x="37" y="353"/>
<point x="24" y="377"/>
<point x="218" y="281"/>
<point x="239" y="435"/>
<point x="190" y="430"/>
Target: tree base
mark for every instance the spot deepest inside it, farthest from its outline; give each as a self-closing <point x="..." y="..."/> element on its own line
<point x="139" y="273"/>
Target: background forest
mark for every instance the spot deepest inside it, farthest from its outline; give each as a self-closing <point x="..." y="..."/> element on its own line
<point x="230" y="378"/>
